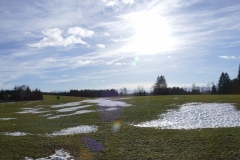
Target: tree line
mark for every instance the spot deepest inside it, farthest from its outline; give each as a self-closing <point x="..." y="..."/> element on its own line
<point x="94" y="93"/>
<point x="225" y="86"/>
<point x="20" y="93"/>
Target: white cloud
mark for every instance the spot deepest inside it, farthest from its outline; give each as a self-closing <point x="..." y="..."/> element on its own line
<point x="61" y="80"/>
<point x="128" y="1"/>
<point x="100" y="46"/>
<point x="83" y="63"/>
<point x="119" y="39"/>
<point x="54" y="37"/>
<point x="227" y="57"/>
<point x="110" y="3"/>
<point x="106" y="34"/>
<point x="77" y="31"/>
<point x="118" y="64"/>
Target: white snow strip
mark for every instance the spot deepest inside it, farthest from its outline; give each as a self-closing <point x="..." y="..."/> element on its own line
<point x="45" y="115"/>
<point x="77" y="112"/>
<point x="66" y="105"/>
<point x="6" y="119"/>
<point x="29" y="102"/>
<point x="58" y="155"/>
<point x="31" y="110"/>
<point x="107" y="102"/>
<point x="75" y="130"/>
<point x="197" y="115"/>
<point x="15" y="133"/>
<point x="73" y="108"/>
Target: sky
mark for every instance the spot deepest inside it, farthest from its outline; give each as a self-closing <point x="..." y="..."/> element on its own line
<point x="58" y="45"/>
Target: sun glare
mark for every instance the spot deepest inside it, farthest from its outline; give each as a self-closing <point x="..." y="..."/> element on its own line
<point x="152" y="34"/>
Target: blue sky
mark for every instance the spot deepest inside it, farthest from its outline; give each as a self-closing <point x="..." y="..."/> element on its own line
<point x="99" y="44"/>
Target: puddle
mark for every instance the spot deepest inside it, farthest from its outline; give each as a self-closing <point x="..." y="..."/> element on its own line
<point x="197" y="115"/>
<point x="77" y="112"/>
<point x="15" y="133"/>
<point x="75" y="130"/>
<point x="92" y="144"/>
<point x="31" y="110"/>
<point x="109" y="114"/>
<point x="73" y="108"/>
<point x="58" y="155"/>
<point x="6" y="119"/>
<point x="66" y="105"/>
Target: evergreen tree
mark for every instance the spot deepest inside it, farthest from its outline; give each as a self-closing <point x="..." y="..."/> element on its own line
<point x="238" y="78"/>
<point x="234" y="86"/>
<point x="160" y="87"/>
<point x="224" y="84"/>
<point x="214" y="89"/>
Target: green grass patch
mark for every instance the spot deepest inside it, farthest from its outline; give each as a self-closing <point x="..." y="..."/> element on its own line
<point x="128" y="143"/>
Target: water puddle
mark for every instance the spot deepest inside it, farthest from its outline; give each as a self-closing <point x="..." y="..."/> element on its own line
<point x="197" y="115"/>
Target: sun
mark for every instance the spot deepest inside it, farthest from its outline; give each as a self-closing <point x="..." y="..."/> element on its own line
<point x="152" y="34"/>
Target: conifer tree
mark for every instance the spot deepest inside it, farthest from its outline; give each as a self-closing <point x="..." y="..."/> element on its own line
<point x="238" y="78"/>
<point x="224" y="84"/>
<point x="160" y="87"/>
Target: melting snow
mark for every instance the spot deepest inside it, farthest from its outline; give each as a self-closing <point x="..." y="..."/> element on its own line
<point x="59" y="155"/>
<point x="77" y="112"/>
<point x="197" y="115"/>
<point x="45" y="115"/>
<point x="107" y="102"/>
<point x="15" y="133"/>
<point x="31" y="110"/>
<point x="6" y="119"/>
<point x="75" y="130"/>
<point x="29" y="102"/>
<point x="73" y="108"/>
<point x="66" y="105"/>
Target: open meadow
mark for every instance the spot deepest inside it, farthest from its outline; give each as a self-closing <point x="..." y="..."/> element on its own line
<point x="117" y="128"/>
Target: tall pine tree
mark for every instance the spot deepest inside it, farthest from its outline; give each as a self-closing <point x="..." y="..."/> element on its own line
<point x="160" y="87"/>
<point x="224" y="84"/>
<point x="238" y="78"/>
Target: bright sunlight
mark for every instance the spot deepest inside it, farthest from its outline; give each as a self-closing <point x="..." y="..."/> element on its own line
<point x="152" y="34"/>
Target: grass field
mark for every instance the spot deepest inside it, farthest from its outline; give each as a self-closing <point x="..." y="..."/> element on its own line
<point x="128" y="143"/>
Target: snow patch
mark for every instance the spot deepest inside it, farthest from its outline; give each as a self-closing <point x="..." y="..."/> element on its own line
<point x="58" y="155"/>
<point x="77" y="112"/>
<point x="31" y="110"/>
<point x="15" y="133"/>
<point x="73" y="108"/>
<point x="66" y="105"/>
<point x="29" y="102"/>
<point x="107" y="102"/>
<point x="45" y="115"/>
<point x="197" y="115"/>
<point x="6" y="119"/>
<point x="75" y="130"/>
